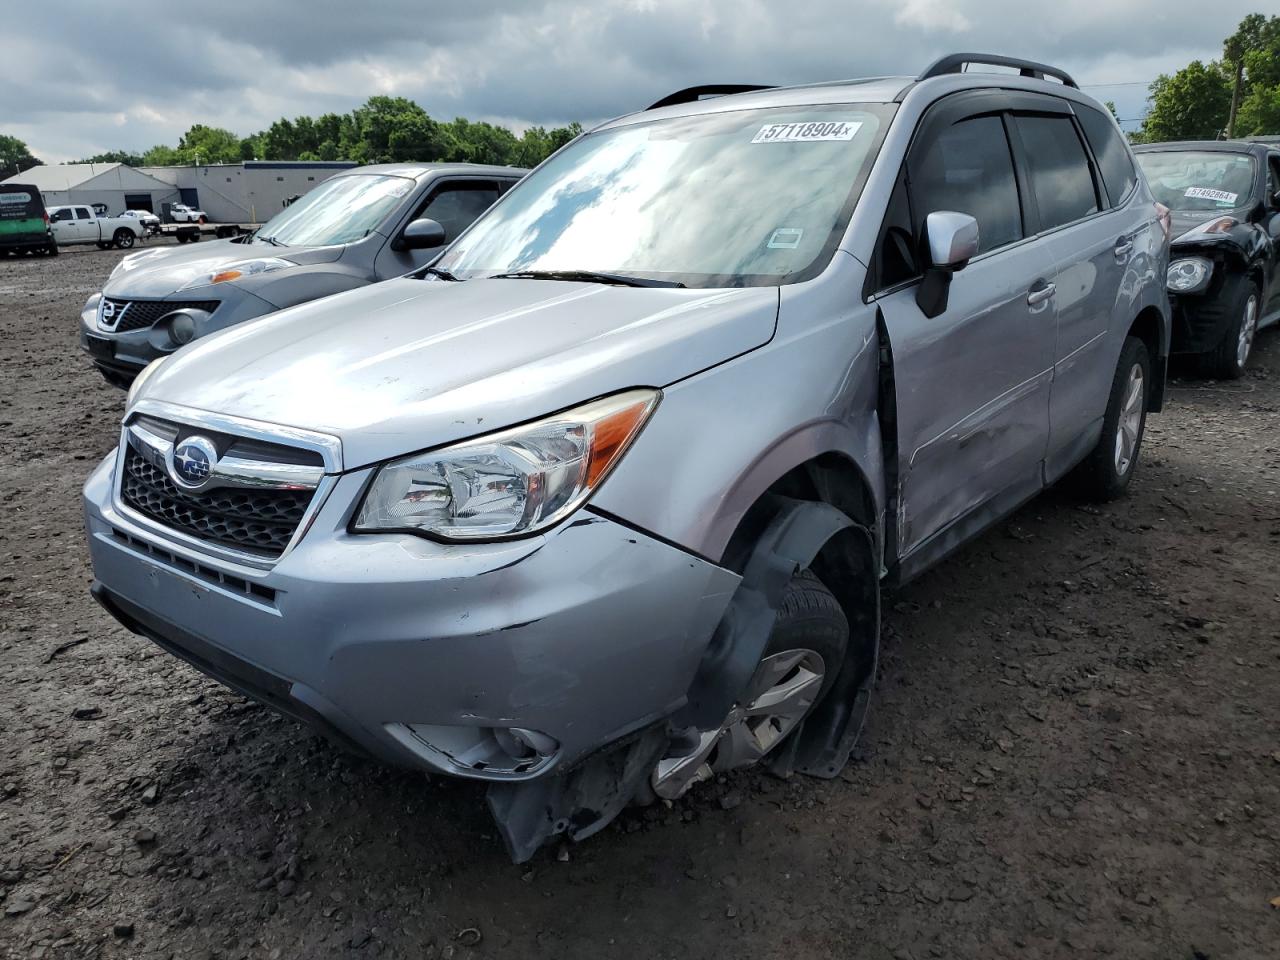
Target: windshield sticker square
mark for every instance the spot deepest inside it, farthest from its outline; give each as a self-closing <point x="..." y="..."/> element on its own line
<point x="1204" y="193"/>
<point x="785" y="238"/>
<point x="815" y="131"/>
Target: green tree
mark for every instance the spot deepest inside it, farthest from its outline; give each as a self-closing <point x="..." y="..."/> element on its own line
<point x="14" y="156"/>
<point x="1193" y="104"/>
<point x="162" y="156"/>
<point x="127" y="157"/>
<point x="202" y="144"/>
<point x="1259" y="112"/>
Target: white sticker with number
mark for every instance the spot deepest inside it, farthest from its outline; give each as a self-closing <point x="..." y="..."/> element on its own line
<point x="1204" y="193"/>
<point x="810" y="132"/>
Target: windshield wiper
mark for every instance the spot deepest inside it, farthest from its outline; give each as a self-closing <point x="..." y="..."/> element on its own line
<point x="440" y="272"/>
<point x="271" y="240"/>
<point x="586" y="276"/>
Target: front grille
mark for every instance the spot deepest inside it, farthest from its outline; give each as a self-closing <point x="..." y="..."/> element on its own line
<point x="261" y="522"/>
<point x="140" y="314"/>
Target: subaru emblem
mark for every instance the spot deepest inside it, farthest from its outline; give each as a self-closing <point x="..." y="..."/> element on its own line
<point x="192" y="462"/>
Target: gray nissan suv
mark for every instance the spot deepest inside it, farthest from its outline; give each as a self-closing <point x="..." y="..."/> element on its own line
<point x="356" y="228"/>
<point x="599" y="505"/>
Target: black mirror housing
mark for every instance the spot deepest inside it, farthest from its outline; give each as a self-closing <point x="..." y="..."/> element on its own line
<point x="423" y="234"/>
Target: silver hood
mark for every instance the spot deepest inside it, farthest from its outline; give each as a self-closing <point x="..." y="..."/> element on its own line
<point x="161" y="272"/>
<point x="407" y="364"/>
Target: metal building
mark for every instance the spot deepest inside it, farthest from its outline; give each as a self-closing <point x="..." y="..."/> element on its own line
<point x="249" y="192"/>
<point x="117" y="186"/>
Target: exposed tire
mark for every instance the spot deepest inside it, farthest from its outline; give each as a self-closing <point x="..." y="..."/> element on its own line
<point x="123" y="239"/>
<point x="203" y="220"/>
<point x="1241" y="301"/>
<point x="800" y="663"/>
<point x="1105" y="473"/>
<point x="181" y="237"/>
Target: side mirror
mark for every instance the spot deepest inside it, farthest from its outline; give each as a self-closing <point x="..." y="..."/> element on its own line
<point x="422" y="234"/>
<point x="952" y="241"/>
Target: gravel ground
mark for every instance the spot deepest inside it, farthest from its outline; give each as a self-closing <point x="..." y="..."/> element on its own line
<point x="1073" y="751"/>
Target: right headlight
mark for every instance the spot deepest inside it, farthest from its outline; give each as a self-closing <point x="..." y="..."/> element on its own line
<point x="1188" y="274"/>
<point x="507" y="484"/>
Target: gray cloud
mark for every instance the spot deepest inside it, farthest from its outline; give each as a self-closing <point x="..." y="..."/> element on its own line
<point x="84" y="77"/>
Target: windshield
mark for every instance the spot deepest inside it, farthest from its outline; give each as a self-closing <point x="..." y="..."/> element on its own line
<point x="340" y="210"/>
<point x="746" y="198"/>
<point x="1199" y="180"/>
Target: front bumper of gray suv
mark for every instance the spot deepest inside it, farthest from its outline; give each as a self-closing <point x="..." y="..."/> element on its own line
<point x="500" y="661"/>
<point x="141" y="330"/>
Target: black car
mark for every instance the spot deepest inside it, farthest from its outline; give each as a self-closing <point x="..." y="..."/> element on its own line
<point x="1223" y="277"/>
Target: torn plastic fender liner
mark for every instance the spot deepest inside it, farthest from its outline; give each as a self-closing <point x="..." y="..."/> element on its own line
<point x="801" y="533"/>
<point x="579" y="802"/>
<point x="789" y="543"/>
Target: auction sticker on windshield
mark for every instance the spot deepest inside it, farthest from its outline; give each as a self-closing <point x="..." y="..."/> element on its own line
<point x="817" y="130"/>
<point x="1204" y="193"/>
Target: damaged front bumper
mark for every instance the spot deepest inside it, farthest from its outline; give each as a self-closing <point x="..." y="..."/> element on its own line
<point x="424" y="654"/>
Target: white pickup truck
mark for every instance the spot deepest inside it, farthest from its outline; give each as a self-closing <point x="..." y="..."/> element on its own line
<point x="81" y="224"/>
<point x="181" y="213"/>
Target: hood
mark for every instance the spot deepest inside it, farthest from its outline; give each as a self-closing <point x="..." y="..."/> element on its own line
<point x="404" y="365"/>
<point x="162" y="272"/>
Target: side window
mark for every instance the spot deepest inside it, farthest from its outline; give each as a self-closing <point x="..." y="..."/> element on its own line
<point x="455" y="205"/>
<point x="1273" y="178"/>
<point x="1058" y="169"/>
<point x="60" y="214"/>
<point x="82" y="213"/>
<point x="1114" y="162"/>
<point x="969" y="169"/>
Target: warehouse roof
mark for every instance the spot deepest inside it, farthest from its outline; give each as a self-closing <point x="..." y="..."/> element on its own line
<point x="72" y="176"/>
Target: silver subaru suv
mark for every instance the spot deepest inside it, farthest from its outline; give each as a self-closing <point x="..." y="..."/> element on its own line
<point x="599" y="505"/>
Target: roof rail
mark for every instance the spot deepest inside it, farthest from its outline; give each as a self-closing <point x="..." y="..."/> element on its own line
<point x="693" y="94"/>
<point x="956" y="62"/>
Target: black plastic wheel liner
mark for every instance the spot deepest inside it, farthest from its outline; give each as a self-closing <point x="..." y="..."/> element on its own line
<point x="800" y="533"/>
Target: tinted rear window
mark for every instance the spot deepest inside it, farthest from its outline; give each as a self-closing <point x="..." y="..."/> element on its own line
<point x="1059" y="170"/>
<point x="1114" y="162"/>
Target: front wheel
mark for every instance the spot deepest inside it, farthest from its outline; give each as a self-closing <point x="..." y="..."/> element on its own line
<point x="123" y="238"/>
<point x="1227" y="362"/>
<point x="800" y="663"/>
<point x="1105" y="473"/>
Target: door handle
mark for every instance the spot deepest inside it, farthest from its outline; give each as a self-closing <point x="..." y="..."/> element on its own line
<point x="1123" y="249"/>
<point x="1041" y="292"/>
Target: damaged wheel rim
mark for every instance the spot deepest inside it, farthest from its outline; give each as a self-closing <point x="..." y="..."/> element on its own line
<point x="1129" y="428"/>
<point x="780" y="694"/>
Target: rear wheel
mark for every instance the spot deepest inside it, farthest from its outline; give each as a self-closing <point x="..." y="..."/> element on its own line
<point x="1105" y="473"/>
<point x="798" y="667"/>
<point x="123" y="238"/>
<point x="1228" y="361"/>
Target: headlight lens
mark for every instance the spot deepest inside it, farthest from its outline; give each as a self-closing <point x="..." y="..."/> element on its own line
<point x="1188" y="274"/>
<point x="140" y="379"/>
<point x="511" y="483"/>
<point x="239" y="269"/>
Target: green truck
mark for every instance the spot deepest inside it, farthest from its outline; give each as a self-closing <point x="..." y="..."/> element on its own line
<point x="24" y="223"/>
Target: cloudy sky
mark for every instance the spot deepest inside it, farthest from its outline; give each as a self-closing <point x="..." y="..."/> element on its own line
<point x="80" y="77"/>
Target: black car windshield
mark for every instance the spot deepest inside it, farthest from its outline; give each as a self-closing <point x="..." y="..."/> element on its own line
<point x="340" y="210"/>
<point x="1195" y="180"/>
<point x="743" y="198"/>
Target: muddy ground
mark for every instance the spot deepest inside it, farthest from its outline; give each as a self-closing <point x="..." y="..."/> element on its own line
<point x="1074" y="748"/>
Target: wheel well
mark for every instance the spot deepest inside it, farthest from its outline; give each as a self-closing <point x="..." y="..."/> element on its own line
<point x="830" y="478"/>
<point x="1148" y="327"/>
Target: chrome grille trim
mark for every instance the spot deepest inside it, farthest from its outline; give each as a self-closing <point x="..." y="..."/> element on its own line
<point x="235" y="472"/>
<point x="151" y="446"/>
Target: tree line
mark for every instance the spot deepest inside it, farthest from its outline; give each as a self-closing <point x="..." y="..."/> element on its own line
<point x="1237" y="96"/>
<point x="382" y="130"/>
